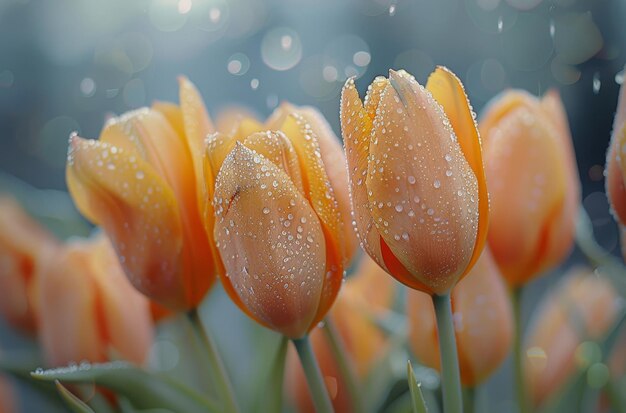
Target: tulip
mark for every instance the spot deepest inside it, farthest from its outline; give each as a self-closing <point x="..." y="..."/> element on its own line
<point x="418" y="189"/>
<point x="616" y="168"/>
<point x="142" y="182"/>
<point x="88" y="310"/>
<point x="279" y="229"/>
<point x="583" y="307"/>
<point x="367" y="294"/>
<point x="24" y="245"/>
<point x="533" y="211"/>
<point x="483" y="323"/>
<point x="416" y="177"/>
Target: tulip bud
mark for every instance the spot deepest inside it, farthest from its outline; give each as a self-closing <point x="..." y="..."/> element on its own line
<point x="582" y="308"/>
<point x="142" y="183"/>
<point x="616" y="167"/>
<point x="483" y="323"/>
<point x="533" y="211"/>
<point x="368" y="292"/>
<point x="416" y="177"/>
<point x="87" y="308"/>
<point x="24" y="247"/>
<point x="277" y="225"/>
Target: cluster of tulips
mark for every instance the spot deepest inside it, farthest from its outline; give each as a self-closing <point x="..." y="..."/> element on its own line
<point x="276" y="210"/>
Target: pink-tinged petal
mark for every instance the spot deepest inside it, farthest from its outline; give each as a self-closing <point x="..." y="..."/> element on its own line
<point x="615" y="189"/>
<point x="137" y="209"/>
<point x="448" y="91"/>
<point x="423" y="194"/>
<point x="271" y="243"/>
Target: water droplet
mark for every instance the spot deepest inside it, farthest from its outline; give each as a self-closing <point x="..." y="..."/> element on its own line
<point x="399" y="208"/>
<point x="437" y="184"/>
<point x="500" y="24"/>
<point x="411" y="179"/>
<point x="266" y="210"/>
<point x="596" y="83"/>
<point x="139" y="175"/>
<point x="392" y="10"/>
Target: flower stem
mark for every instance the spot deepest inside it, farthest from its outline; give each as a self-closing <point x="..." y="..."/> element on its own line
<point x="346" y="367"/>
<point x="469" y="400"/>
<point x="313" y="375"/>
<point x="450" y="376"/>
<point x="220" y="375"/>
<point x="520" y="387"/>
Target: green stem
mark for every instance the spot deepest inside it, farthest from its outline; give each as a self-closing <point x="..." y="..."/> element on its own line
<point x="469" y="399"/>
<point x="220" y="375"/>
<point x="313" y="375"/>
<point x="518" y="354"/>
<point x="346" y="367"/>
<point x="450" y="376"/>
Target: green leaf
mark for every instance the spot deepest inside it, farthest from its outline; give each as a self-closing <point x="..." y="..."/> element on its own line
<point x="143" y="389"/>
<point x="271" y="392"/>
<point x="74" y="403"/>
<point x="419" y="405"/>
<point x="127" y="407"/>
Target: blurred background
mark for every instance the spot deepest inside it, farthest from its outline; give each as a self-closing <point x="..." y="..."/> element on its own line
<point x="66" y="65"/>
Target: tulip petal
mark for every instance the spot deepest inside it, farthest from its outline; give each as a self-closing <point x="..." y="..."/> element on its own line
<point x="276" y="148"/>
<point x="173" y="114"/>
<point x="271" y="243"/>
<point x="356" y="126"/>
<point x="420" y="183"/>
<point x="448" y="91"/>
<point x="197" y="126"/>
<point x="319" y="192"/>
<point x="521" y="239"/>
<point x="615" y="189"/>
<point x="333" y="158"/>
<point x="121" y="192"/>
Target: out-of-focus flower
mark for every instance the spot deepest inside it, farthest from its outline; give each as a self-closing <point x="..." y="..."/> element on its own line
<point x="582" y="308"/>
<point x="142" y="182"/>
<point x="416" y="177"/>
<point x="87" y="308"/>
<point x="7" y="400"/>
<point x="533" y="183"/>
<point x="616" y="167"/>
<point x="483" y="323"/>
<point x="24" y="245"/>
<point x="369" y="293"/>
<point x="278" y="223"/>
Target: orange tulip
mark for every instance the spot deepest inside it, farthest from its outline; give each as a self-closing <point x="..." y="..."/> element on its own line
<point x="416" y="177"/>
<point x="583" y="307"/>
<point x="533" y="184"/>
<point x="278" y="224"/>
<point x="142" y="182"/>
<point x="88" y="310"/>
<point x="24" y="244"/>
<point x="368" y="293"/>
<point x="483" y="323"/>
<point x="616" y="167"/>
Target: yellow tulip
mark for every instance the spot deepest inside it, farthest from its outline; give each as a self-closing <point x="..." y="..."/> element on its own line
<point x="483" y="323"/>
<point x="416" y="177"/>
<point x="616" y="167"/>
<point x="582" y="308"/>
<point x="278" y="224"/>
<point x="533" y="183"/>
<point x="24" y="246"/>
<point x="87" y="308"/>
<point x="142" y="182"/>
<point x="370" y="292"/>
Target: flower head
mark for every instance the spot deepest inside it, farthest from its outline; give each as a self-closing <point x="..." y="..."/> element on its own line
<point x="88" y="309"/>
<point x="278" y="224"/>
<point x="416" y="177"/>
<point x="533" y="183"/>
<point x="142" y="182"/>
